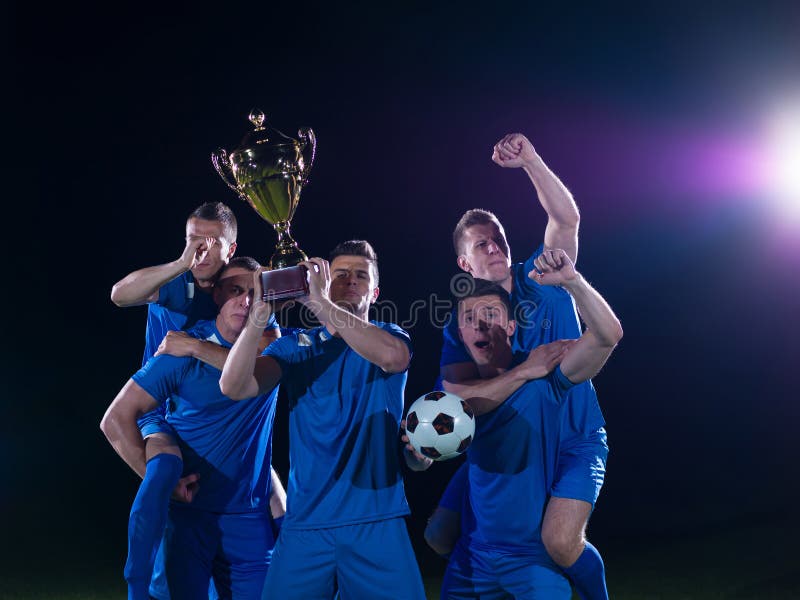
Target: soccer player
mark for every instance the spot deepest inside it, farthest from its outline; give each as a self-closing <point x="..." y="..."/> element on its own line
<point x="221" y="528"/>
<point x="543" y="315"/>
<point x="514" y="458"/>
<point x="178" y="294"/>
<point x="344" y="381"/>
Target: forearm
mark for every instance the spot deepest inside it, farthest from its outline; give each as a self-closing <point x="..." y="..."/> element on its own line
<point x="372" y="343"/>
<point x="595" y="312"/>
<point x="210" y="353"/>
<point x="140" y="286"/>
<point x="238" y="380"/>
<point x="484" y="395"/>
<point x="443" y="530"/>
<point x="563" y="217"/>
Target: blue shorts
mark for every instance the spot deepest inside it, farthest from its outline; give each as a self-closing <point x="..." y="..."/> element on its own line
<point x="582" y="468"/>
<point x="369" y="560"/>
<point x="491" y="575"/>
<point x="155" y="422"/>
<point x="232" y="549"/>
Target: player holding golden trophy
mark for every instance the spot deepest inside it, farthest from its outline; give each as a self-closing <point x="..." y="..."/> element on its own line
<point x="268" y="171"/>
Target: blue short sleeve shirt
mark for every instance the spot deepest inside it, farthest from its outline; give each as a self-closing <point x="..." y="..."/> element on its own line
<point x="343" y="431"/>
<point x="228" y="443"/>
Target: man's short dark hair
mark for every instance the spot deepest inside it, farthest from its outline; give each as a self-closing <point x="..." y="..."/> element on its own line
<point x="482" y="288"/>
<point x="242" y="262"/>
<point x="217" y="211"/>
<point x="477" y="216"/>
<point x="356" y="248"/>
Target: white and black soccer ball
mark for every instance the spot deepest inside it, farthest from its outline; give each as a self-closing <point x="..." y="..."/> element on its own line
<point x="440" y="425"/>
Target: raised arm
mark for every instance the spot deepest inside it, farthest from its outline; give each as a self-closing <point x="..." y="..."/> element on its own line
<point x="141" y="287"/>
<point x="379" y="347"/>
<point x="245" y="374"/>
<point x="484" y="395"/>
<point x="120" y="428"/>
<point x="603" y="330"/>
<point x="563" y="218"/>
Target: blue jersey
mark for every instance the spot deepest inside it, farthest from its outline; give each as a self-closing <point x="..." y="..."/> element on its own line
<point x="457" y="490"/>
<point x="344" y="421"/>
<point x="228" y="443"/>
<point x="544" y="314"/>
<point x="456" y="498"/>
<point x="512" y="465"/>
<point x="181" y="303"/>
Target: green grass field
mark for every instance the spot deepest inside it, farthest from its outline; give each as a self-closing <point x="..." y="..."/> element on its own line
<point x="749" y="561"/>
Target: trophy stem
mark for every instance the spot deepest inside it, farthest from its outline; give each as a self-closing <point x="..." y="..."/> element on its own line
<point x="287" y="254"/>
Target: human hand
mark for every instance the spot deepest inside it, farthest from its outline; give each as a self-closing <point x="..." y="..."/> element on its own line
<point x="260" y="311"/>
<point x="195" y="251"/>
<point x="187" y="488"/>
<point x="178" y="343"/>
<point x="553" y="267"/>
<point x="543" y="359"/>
<point x="513" y="151"/>
<point x="415" y="460"/>
<point x="319" y="284"/>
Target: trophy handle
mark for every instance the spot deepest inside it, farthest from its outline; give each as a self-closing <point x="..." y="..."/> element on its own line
<point x="306" y="134"/>
<point x="219" y="158"/>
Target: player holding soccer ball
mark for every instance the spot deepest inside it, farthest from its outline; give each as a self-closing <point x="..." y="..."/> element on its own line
<point x="515" y="454"/>
<point x="344" y="381"/>
<point x="544" y="314"/>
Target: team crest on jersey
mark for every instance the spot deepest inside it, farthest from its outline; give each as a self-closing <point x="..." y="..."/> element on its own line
<point x="303" y="339"/>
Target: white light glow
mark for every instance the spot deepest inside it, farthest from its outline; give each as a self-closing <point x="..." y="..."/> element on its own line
<point x="782" y="168"/>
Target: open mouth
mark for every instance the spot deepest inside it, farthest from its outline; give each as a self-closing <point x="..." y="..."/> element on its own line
<point x="481" y="345"/>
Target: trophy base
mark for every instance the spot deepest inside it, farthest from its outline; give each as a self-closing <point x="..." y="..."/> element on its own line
<point x="284" y="284"/>
<point x="287" y="257"/>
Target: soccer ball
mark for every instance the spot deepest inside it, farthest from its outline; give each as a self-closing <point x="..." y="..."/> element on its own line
<point x="440" y="425"/>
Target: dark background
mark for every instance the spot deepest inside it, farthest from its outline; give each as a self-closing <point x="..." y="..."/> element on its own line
<point x="651" y="114"/>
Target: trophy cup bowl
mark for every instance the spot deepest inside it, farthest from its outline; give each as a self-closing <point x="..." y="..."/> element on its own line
<point x="268" y="171"/>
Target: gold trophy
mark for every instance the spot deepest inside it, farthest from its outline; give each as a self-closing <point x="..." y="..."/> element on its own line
<point x="268" y="171"/>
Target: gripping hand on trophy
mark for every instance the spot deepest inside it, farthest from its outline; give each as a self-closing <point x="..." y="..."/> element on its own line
<point x="260" y="310"/>
<point x="319" y="285"/>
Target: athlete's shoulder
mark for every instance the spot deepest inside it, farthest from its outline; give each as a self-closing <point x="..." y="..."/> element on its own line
<point x="205" y="330"/>
<point x="161" y="375"/>
<point x="176" y="290"/>
<point x="392" y="328"/>
<point x="293" y="340"/>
